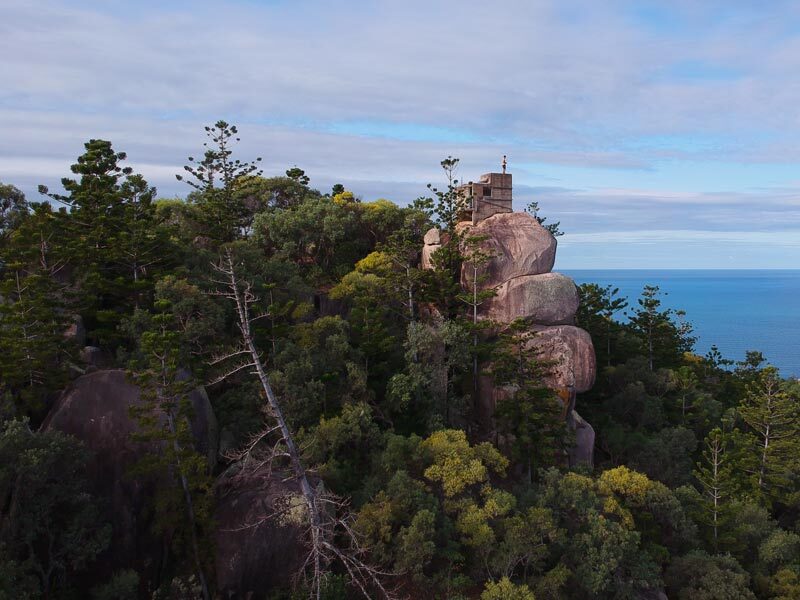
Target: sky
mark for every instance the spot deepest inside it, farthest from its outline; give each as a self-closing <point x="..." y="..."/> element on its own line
<point x="660" y="134"/>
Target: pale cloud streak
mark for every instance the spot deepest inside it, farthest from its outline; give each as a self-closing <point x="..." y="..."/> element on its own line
<point x="618" y="117"/>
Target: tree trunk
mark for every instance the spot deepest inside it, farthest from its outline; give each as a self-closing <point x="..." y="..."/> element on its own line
<point x="187" y="496"/>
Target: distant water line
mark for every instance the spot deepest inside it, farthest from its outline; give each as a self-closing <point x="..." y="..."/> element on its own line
<point x="735" y="310"/>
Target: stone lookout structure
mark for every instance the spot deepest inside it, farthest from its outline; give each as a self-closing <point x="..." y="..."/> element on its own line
<point x="490" y="195"/>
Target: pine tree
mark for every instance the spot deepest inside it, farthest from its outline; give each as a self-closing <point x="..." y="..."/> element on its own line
<point x="553" y="228"/>
<point x="13" y="206"/>
<point x="771" y="415"/>
<point x="664" y="340"/>
<point x="32" y="344"/>
<point x="33" y="350"/>
<point x="443" y="282"/>
<point x="142" y="245"/>
<point x="164" y="417"/>
<point x="533" y="417"/>
<point x="223" y="183"/>
<point x="714" y="474"/>
<point x="596" y="312"/>
<point x="475" y="257"/>
<point x="402" y="248"/>
<point x="109" y="239"/>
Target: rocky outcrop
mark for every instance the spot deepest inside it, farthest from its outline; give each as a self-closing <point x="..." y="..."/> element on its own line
<point x="521" y="254"/>
<point x="432" y="237"/>
<point x="582" y="453"/>
<point x="517" y="244"/>
<point x="96" y="410"/>
<point x="570" y="351"/>
<point x="253" y="551"/>
<point x="427" y="254"/>
<point x="432" y="241"/>
<point x="547" y="299"/>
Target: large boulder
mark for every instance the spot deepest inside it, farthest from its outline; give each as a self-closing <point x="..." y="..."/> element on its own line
<point x="571" y="352"/>
<point x="95" y="409"/>
<point x="426" y="260"/>
<point x="259" y="540"/>
<point x="432" y="237"/>
<point x="582" y="453"/>
<point x="518" y="246"/>
<point x="547" y="299"/>
<point x="432" y="241"/>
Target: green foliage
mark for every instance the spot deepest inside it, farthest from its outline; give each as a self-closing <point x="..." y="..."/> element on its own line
<point x="319" y="235"/>
<point x="13" y="207"/>
<point x="505" y="590"/>
<point x="533" y="416"/>
<point x="698" y="576"/>
<point x="375" y="362"/>
<point x="112" y="242"/>
<point x="602" y="548"/>
<point x="343" y="445"/>
<point x="32" y="342"/>
<point x="374" y="320"/>
<point x="553" y="228"/>
<point x="49" y="525"/>
<point x="124" y="585"/>
<point x="183" y="509"/>
<point x="317" y="371"/>
<point x="223" y="183"/>
<point x="773" y="419"/>
<point x="426" y="394"/>
<point x="596" y="311"/>
<point x="663" y="339"/>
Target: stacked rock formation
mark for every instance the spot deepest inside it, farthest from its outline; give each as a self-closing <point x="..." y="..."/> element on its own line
<point x="522" y="254"/>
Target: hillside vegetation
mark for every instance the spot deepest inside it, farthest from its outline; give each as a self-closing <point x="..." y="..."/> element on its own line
<point x="257" y="392"/>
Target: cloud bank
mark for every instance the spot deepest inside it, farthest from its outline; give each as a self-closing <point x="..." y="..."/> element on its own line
<point x="619" y="118"/>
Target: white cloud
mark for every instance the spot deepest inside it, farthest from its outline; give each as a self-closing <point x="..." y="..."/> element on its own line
<point x="588" y="86"/>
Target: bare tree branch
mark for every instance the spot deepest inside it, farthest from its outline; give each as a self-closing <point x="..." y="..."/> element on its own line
<point x="329" y="517"/>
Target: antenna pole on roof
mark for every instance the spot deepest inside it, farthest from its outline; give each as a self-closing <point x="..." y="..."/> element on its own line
<point x="505" y="163"/>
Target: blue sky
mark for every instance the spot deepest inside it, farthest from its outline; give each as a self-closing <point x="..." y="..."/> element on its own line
<point x="660" y="134"/>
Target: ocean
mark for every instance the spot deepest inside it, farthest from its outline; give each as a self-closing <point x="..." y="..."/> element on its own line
<point x="734" y="310"/>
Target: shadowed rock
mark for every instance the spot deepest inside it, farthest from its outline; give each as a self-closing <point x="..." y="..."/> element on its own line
<point x="95" y="409"/>
<point x="583" y="451"/>
<point x="547" y="299"/>
<point x="255" y="549"/>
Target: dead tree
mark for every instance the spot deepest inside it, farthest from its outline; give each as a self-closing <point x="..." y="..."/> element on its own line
<point x="326" y="522"/>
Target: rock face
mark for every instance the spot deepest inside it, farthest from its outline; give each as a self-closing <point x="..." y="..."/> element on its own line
<point x="95" y="409"/>
<point x="519" y="246"/>
<point x="583" y="451"/>
<point x="432" y="241"/>
<point x="267" y="554"/>
<point x="427" y="253"/>
<point x="571" y="351"/>
<point x="432" y="237"/>
<point x="547" y="299"/>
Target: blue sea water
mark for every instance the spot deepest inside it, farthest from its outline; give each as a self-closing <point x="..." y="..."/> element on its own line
<point x="734" y="310"/>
